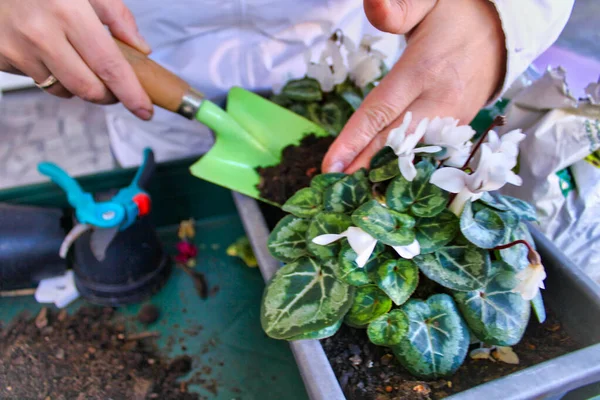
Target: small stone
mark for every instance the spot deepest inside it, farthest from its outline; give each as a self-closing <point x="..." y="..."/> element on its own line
<point x="389" y="389"/>
<point x="151" y="361"/>
<point x="9" y="388"/>
<point x="91" y="350"/>
<point x="148" y="314"/>
<point x="370" y="364"/>
<point x="60" y="354"/>
<point x="421" y="389"/>
<point x="386" y="359"/>
<point x="355" y="360"/>
<point x="449" y="383"/>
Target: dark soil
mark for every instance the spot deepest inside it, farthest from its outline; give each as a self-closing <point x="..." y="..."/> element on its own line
<point x="369" y="372"/>
<point x="148" y="314"/>
<point x="299" y="164"/>
<point x="85" y="356"/>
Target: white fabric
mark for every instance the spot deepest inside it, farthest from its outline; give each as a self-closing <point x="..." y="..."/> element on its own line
<point x="258" y="44"/>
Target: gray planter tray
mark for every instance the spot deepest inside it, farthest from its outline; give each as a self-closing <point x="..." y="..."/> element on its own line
<point x="569" y="293"/>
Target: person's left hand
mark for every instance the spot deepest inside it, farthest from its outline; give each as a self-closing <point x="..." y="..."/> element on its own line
<point x="453" y="64"/>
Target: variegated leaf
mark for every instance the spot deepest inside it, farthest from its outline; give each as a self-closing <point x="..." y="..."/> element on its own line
<point x="506" y="203"/>
<point x="483" y="227"/>
<point x="305" y="203"/>
<point x="303" y="297"/>
<point x="461" y="267"/>
<point x="326" y="223"/>
<point x="382" y="157"/>
<point x="369" y="303"/>
<point x="348" y="193"/>
<point x="323" y="181"/>
<point x="397" y="278"/>
<point x="331" y="116"/>
<point x="349" y="270"/>
<point x="287" y="242"/>
<point x="437" y="340"/>
<point x="305" y="90"/>
<point x="516" y="256"/>
<point x="418" y="197"/>
<point x="495" y="314"/>
<point x="436" y="232"/>
<point x="537" y="304"/>
<point x="389" y="329"/>
<point x="385" y="172"/>
<point x="385" y="225"/>
<point x="320" y="334"/>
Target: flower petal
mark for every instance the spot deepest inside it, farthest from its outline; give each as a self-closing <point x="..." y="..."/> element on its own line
<point x="397" y="135"/>
<point x="407" y="168"/>
<point x="514" y="179"/>
<point x="410" y="251"/>
<point x="427" y="149"/>
<point x="450" y="179"/>
<point x="329" y="238"/>
<point x="411" y="140"/>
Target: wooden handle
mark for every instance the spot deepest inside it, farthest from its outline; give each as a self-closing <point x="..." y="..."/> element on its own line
<point x="165" y="89"/>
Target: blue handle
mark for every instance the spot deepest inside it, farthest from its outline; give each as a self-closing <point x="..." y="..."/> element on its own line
<point x="102" y="215"/>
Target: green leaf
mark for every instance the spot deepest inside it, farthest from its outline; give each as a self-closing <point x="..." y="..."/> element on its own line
<point x="353" y="99"/>
<point x="484" y="228"/>
<point x="383" y="157"/>
<point x="397" y="278"/>
<point x="389" y="329"/>
<point x="347" y="193"/>
<point x="369" y="303"/>
<point x="323" y="181"/>
<point x="305" y="203"/>
<point x="305" y="90"/>
<point x="384" y="224"/>
<point x="516" y="256"/>
<point x="300" y="109"/>
<point x="510" y="219"/>
<point x="303" y="297"/>
<point x="287" y="242"/>
<point x="436" y="232"/>
<point x="320" y="334"/>
<point x="349" y="270"/>
<point x="385" y="172"/>
<point x="325" y="223"/>
<point x="537" y="304"/>
<point x="494" y="313"/>
<point x="419" y="197"/>
<point x="506" y="203"/>
<point x="437" y="340"/>
<point x="330" y="116"/>
<point x="459" y="267"/>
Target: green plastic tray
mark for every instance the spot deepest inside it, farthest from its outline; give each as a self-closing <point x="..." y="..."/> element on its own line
<point x="223" y="331"/>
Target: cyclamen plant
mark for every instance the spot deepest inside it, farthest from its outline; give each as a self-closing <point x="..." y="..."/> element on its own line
<point x="358" y="246"/>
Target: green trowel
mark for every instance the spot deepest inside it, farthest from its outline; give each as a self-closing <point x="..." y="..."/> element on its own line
<point x="250" y="133"/>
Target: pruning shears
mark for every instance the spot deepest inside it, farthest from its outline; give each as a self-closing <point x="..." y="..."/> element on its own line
<point x="106" y="218"/>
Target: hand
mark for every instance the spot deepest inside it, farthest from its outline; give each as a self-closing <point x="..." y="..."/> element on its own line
<point x="453" y="64"/>
<point x="67" y="38"/>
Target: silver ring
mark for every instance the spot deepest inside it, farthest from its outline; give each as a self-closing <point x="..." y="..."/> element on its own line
<point x="47" y="83"/>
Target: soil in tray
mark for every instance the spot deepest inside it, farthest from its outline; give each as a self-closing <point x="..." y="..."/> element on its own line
<point x="299" y="164"/>
<point x="369" y="372"/>
<point x="85" y="356"/>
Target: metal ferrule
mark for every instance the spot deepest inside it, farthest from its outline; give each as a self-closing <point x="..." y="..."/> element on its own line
<point x="190" y="104"/>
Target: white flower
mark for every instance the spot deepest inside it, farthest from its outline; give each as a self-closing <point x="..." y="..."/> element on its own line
<point x="493" y="172"/>
<point x="531" y="279"/>
<point x="364" y="63"/>
<point x="404" y="145"/>
<point x="330" y="70"/>
<point x="363" y="244"/>
<point x="507" y="144"/>
<point x="455" y="140"/>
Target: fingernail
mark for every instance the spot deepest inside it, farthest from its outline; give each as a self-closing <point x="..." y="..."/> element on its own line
<point x="144" y="114"/>
<point x="142" y="44"/>
<point x="336" y="167"/>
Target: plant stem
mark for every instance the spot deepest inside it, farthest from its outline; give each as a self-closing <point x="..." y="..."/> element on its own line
<point x="516" y="242"/>
<point x="498" y="121"/>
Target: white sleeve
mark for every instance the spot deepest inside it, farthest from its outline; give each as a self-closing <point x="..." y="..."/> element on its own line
<point x="530" y="27"/>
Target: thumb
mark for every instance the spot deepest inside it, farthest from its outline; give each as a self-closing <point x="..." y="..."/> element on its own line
<point x="397" y="16"/>
<point x="121" y="22"/>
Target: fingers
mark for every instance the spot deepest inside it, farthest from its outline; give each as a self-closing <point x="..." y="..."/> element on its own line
<point x="381" y="107"/>
<point x="100" y="52"/>
<point x="120" y="21"/>
<point x="397" y="16"/>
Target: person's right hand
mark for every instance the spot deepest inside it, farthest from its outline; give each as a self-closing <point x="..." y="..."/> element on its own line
<point x="67" y="38"/>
